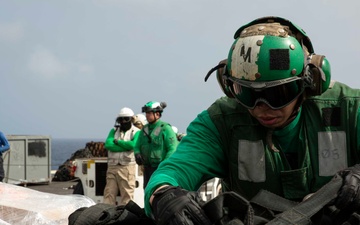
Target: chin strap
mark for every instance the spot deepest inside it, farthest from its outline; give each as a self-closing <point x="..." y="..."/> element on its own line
<point x="269" y="141"/>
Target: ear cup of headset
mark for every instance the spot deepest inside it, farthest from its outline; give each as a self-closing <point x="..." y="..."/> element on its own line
<point x="221" y="74"/>
<point x="318" y="72"/>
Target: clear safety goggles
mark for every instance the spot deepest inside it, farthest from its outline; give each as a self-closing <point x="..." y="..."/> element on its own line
<point x="276" y="94"/>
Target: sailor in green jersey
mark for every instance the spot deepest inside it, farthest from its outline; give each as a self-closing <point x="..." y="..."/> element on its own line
<point x="283" y="126"/>
<point x="157" y="140"/>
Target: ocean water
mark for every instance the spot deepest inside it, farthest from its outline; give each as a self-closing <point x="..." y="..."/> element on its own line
<point x="63" y="148"/>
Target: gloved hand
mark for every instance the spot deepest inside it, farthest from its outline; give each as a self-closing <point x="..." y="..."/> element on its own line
<point x="139" y="160"/>
<point x="115" y="141"/>
<point x="176" y="206"/>
<point x="349" y="193"/>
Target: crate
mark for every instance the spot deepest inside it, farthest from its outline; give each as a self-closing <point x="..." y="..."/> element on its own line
<point x="28" y="160"/>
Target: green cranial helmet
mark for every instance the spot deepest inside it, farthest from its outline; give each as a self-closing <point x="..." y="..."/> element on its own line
<point x="154" y="107"/>
<point x="267" y="51"/>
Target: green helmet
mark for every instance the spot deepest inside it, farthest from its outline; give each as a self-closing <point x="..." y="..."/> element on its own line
<point x="154" y="107"/>
<point x="265" y="52"/>
<point x="271" y="60"/>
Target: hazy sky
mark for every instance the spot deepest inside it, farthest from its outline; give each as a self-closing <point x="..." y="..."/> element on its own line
<point x="68" y="66"/>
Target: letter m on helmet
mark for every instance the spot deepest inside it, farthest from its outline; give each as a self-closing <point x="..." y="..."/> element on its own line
<point x="247" y="55"/>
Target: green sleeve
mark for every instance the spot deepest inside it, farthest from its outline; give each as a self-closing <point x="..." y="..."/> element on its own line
<point x="128" y="145"/>
<point x="111" y="146"/>
<point x="170" y="140"/>
<point x="198" y="158"/>
<point x="109" y="143"/>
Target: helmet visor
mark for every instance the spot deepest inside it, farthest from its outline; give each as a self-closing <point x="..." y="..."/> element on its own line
<point x="276" y="96"/>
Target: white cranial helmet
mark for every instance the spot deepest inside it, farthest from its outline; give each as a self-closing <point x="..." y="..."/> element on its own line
<point x="140" y="118"/>
<point x="125" y="112"/>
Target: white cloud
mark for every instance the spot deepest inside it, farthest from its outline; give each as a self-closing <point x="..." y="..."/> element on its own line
<point x="11" y="32"/>
<point x="45" y="63"/>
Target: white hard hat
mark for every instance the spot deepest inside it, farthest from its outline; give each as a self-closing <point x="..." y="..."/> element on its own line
<point x="140" y="118"/>
<point x="125" y="112"/>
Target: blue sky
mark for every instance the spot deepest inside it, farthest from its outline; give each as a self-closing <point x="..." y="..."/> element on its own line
<point x="68" y="66"/>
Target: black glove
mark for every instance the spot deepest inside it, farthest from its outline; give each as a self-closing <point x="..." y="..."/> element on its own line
<point x="139" y="160"/>
<point x="349" y="194"/>
<point x="176" y="206"/>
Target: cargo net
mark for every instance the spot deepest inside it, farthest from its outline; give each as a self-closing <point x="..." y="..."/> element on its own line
<point x="92" y="149"/>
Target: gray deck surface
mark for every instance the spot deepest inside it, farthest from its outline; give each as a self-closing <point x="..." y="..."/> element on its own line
<point x="55" y="187"/>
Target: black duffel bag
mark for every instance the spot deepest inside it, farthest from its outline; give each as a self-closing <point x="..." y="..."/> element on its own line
<point x="106" y="214"/>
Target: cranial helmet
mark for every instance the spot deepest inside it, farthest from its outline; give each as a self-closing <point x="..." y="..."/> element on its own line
<point x="140" y="118"/>
<point x="269" y="52"/>
<point x="265" y="57"/>
<point x="124" y="117"/>
<point x="154" y="107"/>
<point x="125" y="112"/>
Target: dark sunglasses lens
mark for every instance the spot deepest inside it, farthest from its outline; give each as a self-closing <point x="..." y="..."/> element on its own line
<point x="276" y="97"/>
<point x="124" y="119"/>
<point x="283" y="94"/>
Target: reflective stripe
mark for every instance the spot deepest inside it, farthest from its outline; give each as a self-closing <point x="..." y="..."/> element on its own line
<point x="251" y="161"/>
<point x="332" y="152"/>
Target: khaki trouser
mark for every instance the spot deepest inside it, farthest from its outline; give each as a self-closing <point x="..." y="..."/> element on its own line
<point x="119" y="178"/>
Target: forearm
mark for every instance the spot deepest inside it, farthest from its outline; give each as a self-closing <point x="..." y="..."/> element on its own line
<point x="4" y="148"/>
<point x="155" y="184"/>
<point x="128" y="145"/>
<point x="4" y="144"/>
<point x="110" y="139"/>
<point x="110" y="145"/>
<point x="193" y="161"/>
<point x="125" y="145"/>
<point x="175" y="172"/>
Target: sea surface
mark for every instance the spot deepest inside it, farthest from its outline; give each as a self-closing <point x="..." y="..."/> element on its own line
<point x="63" y="148"/>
